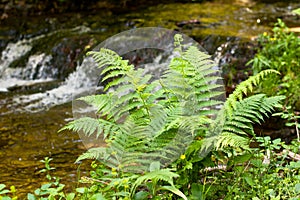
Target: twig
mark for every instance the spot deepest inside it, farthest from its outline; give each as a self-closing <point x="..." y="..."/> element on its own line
<point x="292" y="155"/>
<point x="218" y="167"/>
<point x="88" y="179"/>
<point x="297" y="131"/>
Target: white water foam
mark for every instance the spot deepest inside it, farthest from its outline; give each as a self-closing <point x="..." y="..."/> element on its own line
<point x="13" y="51"/>
<point x="38" y="69"/>
<point x="82" y="80"/>
<point x="34" y="72"/>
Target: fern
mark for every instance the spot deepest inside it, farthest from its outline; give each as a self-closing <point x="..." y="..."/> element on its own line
<point x="243" y="88"/>
<point x="238" y="115"/>
<point x="192" y="80"/>
<point x="229" y="139"/>
<point x="158" y="175"/>
<point x="238" y="128"/>
<point x="91" y="126"/>
<point x="93" y="153"/>
<point x="155" y="176"/>
<point x="146" y="121"/>
<point x="143" y="120"/>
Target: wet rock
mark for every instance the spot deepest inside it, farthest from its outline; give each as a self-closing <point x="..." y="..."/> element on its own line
<point x="190" y="22"/>
<point x="33" y="86"/>
<point x="232" y="57"/>
<point x="67" y="53"/>
<point x="53" y="55"/>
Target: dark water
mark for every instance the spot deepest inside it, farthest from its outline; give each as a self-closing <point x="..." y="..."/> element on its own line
<point x="27" y="137"/>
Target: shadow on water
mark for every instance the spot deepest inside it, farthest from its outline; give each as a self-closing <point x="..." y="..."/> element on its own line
<point x="55" y="50"/>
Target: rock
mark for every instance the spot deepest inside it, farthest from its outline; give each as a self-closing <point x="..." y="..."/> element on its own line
<point x="295" y="29"/>
<point x="188" y="22"/>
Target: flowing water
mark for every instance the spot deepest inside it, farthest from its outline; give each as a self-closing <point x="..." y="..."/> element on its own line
<point x="42" y="66"/>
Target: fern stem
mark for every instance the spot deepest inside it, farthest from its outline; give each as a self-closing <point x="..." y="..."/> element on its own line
<point x="166" y="91"/>
<point x="136" y="85"/>
<point x="145" y="105"/>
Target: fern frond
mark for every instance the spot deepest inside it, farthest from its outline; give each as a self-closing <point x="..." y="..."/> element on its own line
<point x="194" y="123"/>
<point x="93" y="153"/>
<point x="118" y="65"/>
<point x="86" y="124"/>
<point x="229" y="139"/>
<point x="113" y="74"/>
<point x="244" y="87"/>
<point x="115" y="66"/>
<point x="240" y="124"/>
<point x="158" y="118"/>
<point x="90" y="126"/>
<point x="192" y="78"/>
<point x="106" y="57"/>
<point x="158" y="175"/>
<point x="114" y="83"/>
<point x="99" y="102"/>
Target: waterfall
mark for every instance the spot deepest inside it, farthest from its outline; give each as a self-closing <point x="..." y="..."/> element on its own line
<point x="23" y="64"/>
<point x="37" y="68"/>
<point x="83" y="79"/>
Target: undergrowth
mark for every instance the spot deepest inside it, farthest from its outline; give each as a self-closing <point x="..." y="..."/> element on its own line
<point x="173" y="138"/>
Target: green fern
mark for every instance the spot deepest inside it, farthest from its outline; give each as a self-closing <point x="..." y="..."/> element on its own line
<point x="143" y="120"/>
<point x="151" y="179"/>
<point x="146" y="121"/>
<point x="192" y="80"/>
<point x="244" y="87"/>
<point x="238" y="128"/>
<point x="240" y="114"/>
<point x="91" y="126"/>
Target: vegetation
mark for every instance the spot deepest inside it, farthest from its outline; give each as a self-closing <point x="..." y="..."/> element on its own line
<point x="174" y="139"/>
<point x="280" y="51"/>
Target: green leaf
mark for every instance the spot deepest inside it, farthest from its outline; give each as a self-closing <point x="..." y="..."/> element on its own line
<point x="163" y="174"/>
<point x="297" y="188"/>
<point x="290" y="124"/>
<point x="296" y="11"/>
<point x="277" y="141"/>
<point x="2" y="186"/>
<point x="37" y="191"/>
<point x="81" y="190"/>
<point x="242" y="158"/>
<point x="30" y="196"/>
<point x="197" y="192"/>
<point x="70" y="196"/>
<point x="257" y="163"/>
<point x="98" y="196"/>
<point x="5" y="198"/>
<point x="154" y="166"/>
<point x="4" y="191"/>
<point x="46" y="186"/>
<point x="249" y="180"/>
<point x="174" y="190"/>
<point x="141" y="195"/>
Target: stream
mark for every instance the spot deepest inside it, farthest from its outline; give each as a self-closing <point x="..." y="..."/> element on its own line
<point x="43" y="65"/>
